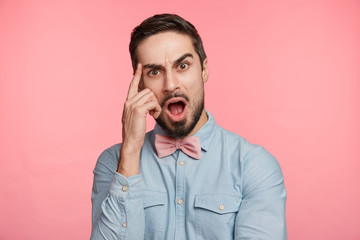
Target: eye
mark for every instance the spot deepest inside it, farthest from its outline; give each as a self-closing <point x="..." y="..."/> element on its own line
<point x="183" y="66"/>
<point x="153" y="73"/>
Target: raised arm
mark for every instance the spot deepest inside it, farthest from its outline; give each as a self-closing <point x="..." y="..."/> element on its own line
<point x="117" y="194"/>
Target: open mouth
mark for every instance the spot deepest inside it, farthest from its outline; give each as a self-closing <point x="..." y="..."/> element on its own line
<point x="176" y="108"/>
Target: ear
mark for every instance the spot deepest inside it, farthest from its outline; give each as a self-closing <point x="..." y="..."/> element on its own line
<point x="205" y="71"/>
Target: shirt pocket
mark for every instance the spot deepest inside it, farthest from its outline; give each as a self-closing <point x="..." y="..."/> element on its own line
<point x="215" y="215"/>
<point x="155" y="214"/>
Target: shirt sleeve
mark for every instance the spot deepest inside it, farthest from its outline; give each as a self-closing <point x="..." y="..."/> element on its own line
<point x="117" y="202"/>
<point x="262" y="210"/>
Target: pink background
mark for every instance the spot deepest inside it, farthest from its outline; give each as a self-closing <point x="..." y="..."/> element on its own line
<point x="283" y="74"/>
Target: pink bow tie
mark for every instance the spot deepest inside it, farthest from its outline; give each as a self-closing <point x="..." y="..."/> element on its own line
<point x="166" y="146"/>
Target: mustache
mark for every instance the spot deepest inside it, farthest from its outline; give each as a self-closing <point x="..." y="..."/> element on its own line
<point x="170" y="96"/>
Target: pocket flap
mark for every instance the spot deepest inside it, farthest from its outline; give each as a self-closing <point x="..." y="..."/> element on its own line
<point x="153" y="198"/>
<point x="218" y="203"/>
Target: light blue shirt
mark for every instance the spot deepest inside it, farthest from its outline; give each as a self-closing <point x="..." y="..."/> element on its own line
<point x="235" y="191"/>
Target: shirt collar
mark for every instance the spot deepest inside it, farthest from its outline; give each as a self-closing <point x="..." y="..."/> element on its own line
<point x="205" y="133"/>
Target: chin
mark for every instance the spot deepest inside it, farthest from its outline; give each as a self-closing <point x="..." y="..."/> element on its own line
<point x="178" y="129"/>
<point x="187" y="123"/>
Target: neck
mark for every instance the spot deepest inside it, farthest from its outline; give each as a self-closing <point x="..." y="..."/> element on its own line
<point x="203" y="119"/>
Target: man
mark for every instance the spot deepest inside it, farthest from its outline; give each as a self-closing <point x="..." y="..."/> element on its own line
<point x="188" y="178"/>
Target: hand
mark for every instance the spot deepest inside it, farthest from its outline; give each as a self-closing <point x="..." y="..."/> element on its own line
<point x="136" y="107"/>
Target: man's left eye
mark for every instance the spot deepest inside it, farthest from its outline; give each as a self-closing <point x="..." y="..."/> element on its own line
<point x="183" y="66"/>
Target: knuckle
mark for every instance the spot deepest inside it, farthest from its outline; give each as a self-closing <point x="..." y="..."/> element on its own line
<point x="146" y="90"/>
<point x="132" y="108"/>
<point x="152" y="95"/>
<point x="137" y="110"/>
<point x="133" y="82"/>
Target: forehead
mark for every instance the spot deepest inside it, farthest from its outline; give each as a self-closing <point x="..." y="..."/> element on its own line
<point x="164" y="47"/>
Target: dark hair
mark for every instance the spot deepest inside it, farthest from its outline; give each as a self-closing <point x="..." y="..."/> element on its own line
<point x="162" y="23"/>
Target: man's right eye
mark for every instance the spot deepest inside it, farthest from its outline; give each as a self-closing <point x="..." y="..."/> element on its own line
<point x="153" y="73"/>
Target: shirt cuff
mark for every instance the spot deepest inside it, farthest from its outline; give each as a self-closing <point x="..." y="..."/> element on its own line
<point x="122" y="187"/>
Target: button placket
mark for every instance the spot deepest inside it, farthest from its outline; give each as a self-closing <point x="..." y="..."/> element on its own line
<point x="180" y="196"/>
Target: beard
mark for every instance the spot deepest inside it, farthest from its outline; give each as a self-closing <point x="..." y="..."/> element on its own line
<point x="184" y="127"/>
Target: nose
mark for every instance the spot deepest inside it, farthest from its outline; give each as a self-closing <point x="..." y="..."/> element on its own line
<point x="171" y="82"/>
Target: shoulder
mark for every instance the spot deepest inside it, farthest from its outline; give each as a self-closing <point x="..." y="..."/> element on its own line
<point x="235" y="142"/>
<point x="108" y="159"/>
<point x="249" y="152"/>
<point x="259" y="169"/>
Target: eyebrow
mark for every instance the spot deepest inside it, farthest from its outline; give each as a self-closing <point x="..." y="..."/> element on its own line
<point x="180" y="59"/>
<point x="176" y="62"/>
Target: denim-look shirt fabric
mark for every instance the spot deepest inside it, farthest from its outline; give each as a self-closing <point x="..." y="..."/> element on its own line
<point x="235" y="191"/>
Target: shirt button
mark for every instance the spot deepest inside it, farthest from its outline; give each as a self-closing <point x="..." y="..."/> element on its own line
<point x="124" y="188"/>
<point x="181" y="163"/>
<point x="124" y="225"/>
<point x="221" y="207"/>
<point x="180" y="201"/>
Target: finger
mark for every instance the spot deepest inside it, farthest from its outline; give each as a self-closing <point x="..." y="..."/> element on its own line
<point x="155" y="112"/>
<point x="134" y="85"/>
<point x="139" y="95"/>
<point x="153" y="108"/>
<point x="147" y="97"/>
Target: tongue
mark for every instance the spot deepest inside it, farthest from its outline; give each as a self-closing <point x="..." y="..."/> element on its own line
<point x="176" y="108"/>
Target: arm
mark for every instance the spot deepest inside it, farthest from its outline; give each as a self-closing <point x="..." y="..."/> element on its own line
<point x="118" y="211"/>
<point x="262" y="210"/>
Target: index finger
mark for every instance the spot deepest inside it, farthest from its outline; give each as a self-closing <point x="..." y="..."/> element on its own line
<point x="134" y="85"/>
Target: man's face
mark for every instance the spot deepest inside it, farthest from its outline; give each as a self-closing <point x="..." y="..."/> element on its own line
<point x="172" y="71"/>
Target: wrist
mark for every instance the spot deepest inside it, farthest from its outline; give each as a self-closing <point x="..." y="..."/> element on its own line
<point x="126" y="172"/>
<point x="129" y="161"/>
<point x="130" y="149"/>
